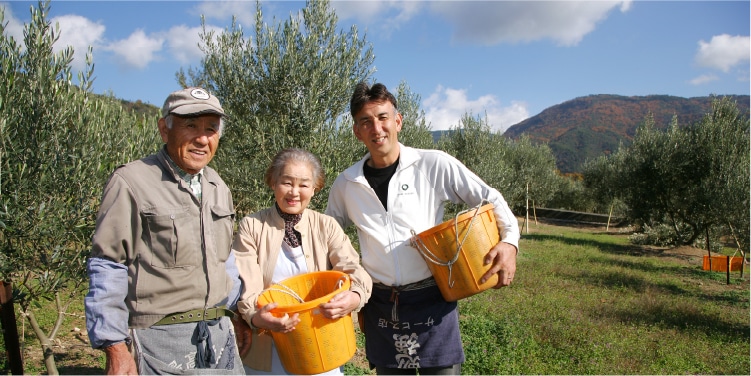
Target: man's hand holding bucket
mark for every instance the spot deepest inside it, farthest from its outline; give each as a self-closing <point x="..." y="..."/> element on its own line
<point x="503" y="259"/>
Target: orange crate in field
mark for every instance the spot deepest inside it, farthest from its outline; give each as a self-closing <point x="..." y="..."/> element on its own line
<point x="720" y="263"/>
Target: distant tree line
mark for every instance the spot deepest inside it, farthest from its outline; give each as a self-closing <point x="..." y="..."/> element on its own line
<point x="288" y="85"/>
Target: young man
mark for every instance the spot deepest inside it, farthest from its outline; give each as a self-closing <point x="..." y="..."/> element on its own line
<point x="162" y="275"/>
<point x="394" y="189"/>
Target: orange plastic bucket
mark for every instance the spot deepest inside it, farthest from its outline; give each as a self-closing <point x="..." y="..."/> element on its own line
<point x="317" y="344"/>
<point x="454" y="251"/>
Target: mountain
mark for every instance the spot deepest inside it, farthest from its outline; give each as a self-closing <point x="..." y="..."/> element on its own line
<point x="587" y="127"/>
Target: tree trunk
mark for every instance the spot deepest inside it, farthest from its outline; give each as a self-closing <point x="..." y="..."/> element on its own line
<point x="10" y="331"/>
<point x="740" y="249"/>
<point x="45" y="341"/>
<point x="709" y="251"/>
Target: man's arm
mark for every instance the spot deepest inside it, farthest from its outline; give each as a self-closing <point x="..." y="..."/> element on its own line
<point x="119" y="360"/>
<point x="472" y="190"/>
<point x="234" y="275"/>
<point x="106" y="313"/>
<point x="465" y="186"/>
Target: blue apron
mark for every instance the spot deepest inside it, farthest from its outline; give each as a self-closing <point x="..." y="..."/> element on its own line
<point x="411" y="326"/>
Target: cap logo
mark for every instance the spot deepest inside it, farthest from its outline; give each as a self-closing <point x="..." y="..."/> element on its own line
<point x="199" y="94"/>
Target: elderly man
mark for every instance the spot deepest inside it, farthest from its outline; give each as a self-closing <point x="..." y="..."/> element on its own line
<point x="163" y="279"/>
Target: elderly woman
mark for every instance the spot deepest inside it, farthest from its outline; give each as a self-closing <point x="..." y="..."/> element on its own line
<point x="286" y="240"/>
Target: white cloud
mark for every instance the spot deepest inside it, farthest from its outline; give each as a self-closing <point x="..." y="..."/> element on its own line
<point x="80" y="33"/>
<point x="363" y="11"/>
<point x="743" y="75"/>
<point x="445" y="107"/>
<point x="75" y="31"/>
<point x="385" y="16"/>
<point x="138" y="50"/>
<point x="723" y="52"/>
<point x="14" y="26"/>
<point x="493" y="22"/>
<point x="703" y="79"/>
<point x="244" y="11"/>
<point x="182" y="42"/>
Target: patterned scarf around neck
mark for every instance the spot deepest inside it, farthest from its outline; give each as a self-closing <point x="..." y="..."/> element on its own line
<point x="291" y="236"/>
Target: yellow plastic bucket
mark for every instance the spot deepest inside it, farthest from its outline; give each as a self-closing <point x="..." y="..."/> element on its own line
<point x="317" y="344"/>
<point x="454" y="251"/>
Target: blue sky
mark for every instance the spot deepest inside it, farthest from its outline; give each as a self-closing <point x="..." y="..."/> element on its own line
<point x="507" y="59"/>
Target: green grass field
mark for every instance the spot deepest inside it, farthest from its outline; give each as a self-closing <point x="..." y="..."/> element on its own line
<point x="583" y="302"/>
<point x="587" y="302"/>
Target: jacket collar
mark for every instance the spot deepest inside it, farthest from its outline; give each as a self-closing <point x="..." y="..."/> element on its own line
<point x="279" y="221"/>
<point x="407" y="157"/>
<point x="207" y="173"/>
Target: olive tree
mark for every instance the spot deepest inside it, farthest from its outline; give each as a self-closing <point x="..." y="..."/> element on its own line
<point x="517" y="168"/>
<point x="693" y="179"/>
<point x="533" y="175"/>
<point x="57" y="146"/>
<point x="287" y="86"/>
<point x="415" y="131"/>
<point x="598" y="178"/>
<point x="482" y="151"/>
<point x="657" y="180"/>
<point x="721" y="144"/>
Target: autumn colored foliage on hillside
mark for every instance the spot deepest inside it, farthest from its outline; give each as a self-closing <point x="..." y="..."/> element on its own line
<point x="587" y="127"/>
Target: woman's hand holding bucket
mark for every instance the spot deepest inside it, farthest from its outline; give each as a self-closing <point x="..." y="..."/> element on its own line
<point x="265" y="319"/>
<point x="503" y="258"/>
<point x="342" y="304"/>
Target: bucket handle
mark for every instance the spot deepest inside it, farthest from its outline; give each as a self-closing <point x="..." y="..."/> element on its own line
<point x="287" y="290"/>
<point x="423" y="249"/>
<point x="341" y="281"/>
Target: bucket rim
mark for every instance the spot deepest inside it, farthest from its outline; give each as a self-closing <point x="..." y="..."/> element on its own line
<point x="306" y="306"/>
<point x="461" y="218"/>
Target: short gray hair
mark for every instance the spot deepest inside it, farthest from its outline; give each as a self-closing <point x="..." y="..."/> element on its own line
<point x="286" y="156"/>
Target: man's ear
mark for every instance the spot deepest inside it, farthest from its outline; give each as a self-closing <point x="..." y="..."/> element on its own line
<point x="163" y="130"/>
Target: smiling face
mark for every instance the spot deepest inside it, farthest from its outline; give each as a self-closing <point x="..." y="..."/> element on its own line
<point x="377" y="125"/>
<point x="191" y="141"/>
<point x="294" y="188"/>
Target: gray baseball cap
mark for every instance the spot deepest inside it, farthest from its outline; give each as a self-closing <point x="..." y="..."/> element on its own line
<point x="192" y="101"/>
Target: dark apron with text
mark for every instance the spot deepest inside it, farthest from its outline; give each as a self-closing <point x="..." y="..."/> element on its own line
<point x="411" y="326"/>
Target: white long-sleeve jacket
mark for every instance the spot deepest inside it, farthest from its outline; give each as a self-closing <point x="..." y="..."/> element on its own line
<point x="422" y="184"/>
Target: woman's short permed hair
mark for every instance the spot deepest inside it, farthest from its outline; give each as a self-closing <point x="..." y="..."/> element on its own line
<point x="286" y="156"/>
